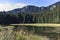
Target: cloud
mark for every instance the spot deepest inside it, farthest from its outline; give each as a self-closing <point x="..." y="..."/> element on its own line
<point x="7" y="6"/>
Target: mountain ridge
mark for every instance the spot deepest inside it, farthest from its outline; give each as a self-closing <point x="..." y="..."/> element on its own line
<point x="32" y="8"/>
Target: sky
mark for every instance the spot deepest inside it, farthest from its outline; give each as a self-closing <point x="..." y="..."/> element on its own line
<point x="6" y="5"/>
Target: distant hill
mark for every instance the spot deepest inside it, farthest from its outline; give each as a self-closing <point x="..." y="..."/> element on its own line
<point x="27" y="9"/>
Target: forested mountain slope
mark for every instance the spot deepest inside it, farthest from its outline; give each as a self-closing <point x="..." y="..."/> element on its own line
<point x="32" y="14"/>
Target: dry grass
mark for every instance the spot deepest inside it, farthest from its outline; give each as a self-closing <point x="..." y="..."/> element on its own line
<point x="30" y="37"/>
<point x="39" y="24"/>
<point x="1" y="35"/>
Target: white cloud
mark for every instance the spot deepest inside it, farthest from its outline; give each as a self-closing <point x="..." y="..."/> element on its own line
<point x="7" y="6"/>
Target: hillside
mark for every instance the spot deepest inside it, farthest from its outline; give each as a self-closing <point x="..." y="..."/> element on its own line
<point x="32" y="14"/>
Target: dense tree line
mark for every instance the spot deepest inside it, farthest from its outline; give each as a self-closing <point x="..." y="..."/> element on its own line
<point x="11" y="18"/>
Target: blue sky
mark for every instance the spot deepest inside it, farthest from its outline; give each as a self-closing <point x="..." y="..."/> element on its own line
<point x="6" y="5"/>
